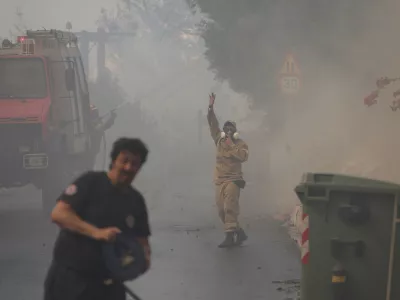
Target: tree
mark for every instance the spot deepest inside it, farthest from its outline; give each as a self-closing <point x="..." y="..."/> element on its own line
<point x="381" y="84"/>
<point x="162" y="20"/>
<point x="19" y="28"/>
<point x="247" y="40"/>
<point x="165" y="53"/>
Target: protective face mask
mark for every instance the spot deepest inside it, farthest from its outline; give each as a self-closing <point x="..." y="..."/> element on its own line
<point x="235" y="135"/>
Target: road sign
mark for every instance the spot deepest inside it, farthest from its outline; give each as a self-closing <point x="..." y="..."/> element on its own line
<point x="290" y="76"/>
<point x="290" y="66"/>
<point x="290" y="84"/>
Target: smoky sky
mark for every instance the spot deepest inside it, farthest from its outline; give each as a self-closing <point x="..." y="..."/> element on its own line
<point x="52" y="14"/>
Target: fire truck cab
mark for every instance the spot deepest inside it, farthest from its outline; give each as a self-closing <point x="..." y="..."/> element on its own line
<point x="46" y="127"/>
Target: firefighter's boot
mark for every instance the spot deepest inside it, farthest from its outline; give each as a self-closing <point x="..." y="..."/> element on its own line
<point x="229" y="240"/>
<point x="240" y="236"/>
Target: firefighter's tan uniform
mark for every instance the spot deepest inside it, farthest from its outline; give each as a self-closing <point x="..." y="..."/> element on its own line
<point x="228" y="174"/>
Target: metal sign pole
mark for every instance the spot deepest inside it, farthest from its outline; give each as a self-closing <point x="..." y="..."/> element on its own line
<point x="200" y="125"/>
<point x="84" y="47"/>
<point x="101" y="52"/>
<point x="101" y="37"/>
<point x="289" y="77"/>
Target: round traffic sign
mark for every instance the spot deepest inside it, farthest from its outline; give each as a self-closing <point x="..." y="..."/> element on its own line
<point x="290" y="84"/>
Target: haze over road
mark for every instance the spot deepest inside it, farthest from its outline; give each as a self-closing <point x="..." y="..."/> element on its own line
<point x="186" y="262"/>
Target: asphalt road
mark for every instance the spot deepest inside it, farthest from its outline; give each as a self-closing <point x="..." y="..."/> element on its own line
<point x="187" y="265"/>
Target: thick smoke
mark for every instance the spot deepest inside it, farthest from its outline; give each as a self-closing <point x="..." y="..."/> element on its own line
<point x="164" y="75"/>
<point x="341" y="47"/>
<point x="167" y="71"/>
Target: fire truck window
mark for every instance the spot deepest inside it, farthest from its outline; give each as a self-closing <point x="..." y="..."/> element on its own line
<point x="22" y="78"/>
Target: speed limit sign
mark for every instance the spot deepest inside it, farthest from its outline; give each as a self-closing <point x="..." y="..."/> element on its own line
<point x="290" y="84"/>
<point x="289" y="76"/>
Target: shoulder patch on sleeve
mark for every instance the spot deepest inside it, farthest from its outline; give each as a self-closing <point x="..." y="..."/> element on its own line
<point x="71" y="190"/>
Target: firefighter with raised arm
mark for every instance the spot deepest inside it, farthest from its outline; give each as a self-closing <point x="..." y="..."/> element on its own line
<point x="228" y="176"/>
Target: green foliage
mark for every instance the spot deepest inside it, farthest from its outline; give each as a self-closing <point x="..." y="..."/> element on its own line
<point x="247" y="40"/>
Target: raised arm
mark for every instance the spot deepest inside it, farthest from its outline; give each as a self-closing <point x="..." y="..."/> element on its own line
<point x="212" y="120"/>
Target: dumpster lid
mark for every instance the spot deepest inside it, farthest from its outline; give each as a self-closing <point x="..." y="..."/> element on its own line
<point x="317" y="186"/>
<point x="346" y="181"/>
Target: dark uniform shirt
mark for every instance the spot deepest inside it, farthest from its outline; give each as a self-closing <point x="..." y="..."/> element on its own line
<point x="98" y="202"/>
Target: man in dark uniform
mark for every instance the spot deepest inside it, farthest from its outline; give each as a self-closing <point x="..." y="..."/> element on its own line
<point x="93" y="210"/>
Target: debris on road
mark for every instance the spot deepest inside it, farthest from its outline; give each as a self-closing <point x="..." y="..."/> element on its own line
<point x="291" y="288"/>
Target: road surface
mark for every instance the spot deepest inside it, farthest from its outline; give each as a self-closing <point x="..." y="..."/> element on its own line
<point x="187" y="265"/>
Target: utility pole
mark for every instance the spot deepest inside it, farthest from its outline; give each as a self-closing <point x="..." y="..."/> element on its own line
<point x="200" y="124"/>
<point x="99" y="37"/>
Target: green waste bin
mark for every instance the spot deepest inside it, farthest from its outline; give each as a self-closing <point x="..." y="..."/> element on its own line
<point x="351" y="240"/>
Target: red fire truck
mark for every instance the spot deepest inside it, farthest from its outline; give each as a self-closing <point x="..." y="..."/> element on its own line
<point x="47" y="129"/>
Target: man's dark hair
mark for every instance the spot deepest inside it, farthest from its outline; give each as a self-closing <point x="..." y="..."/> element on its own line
<point x="132" y="145"/>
